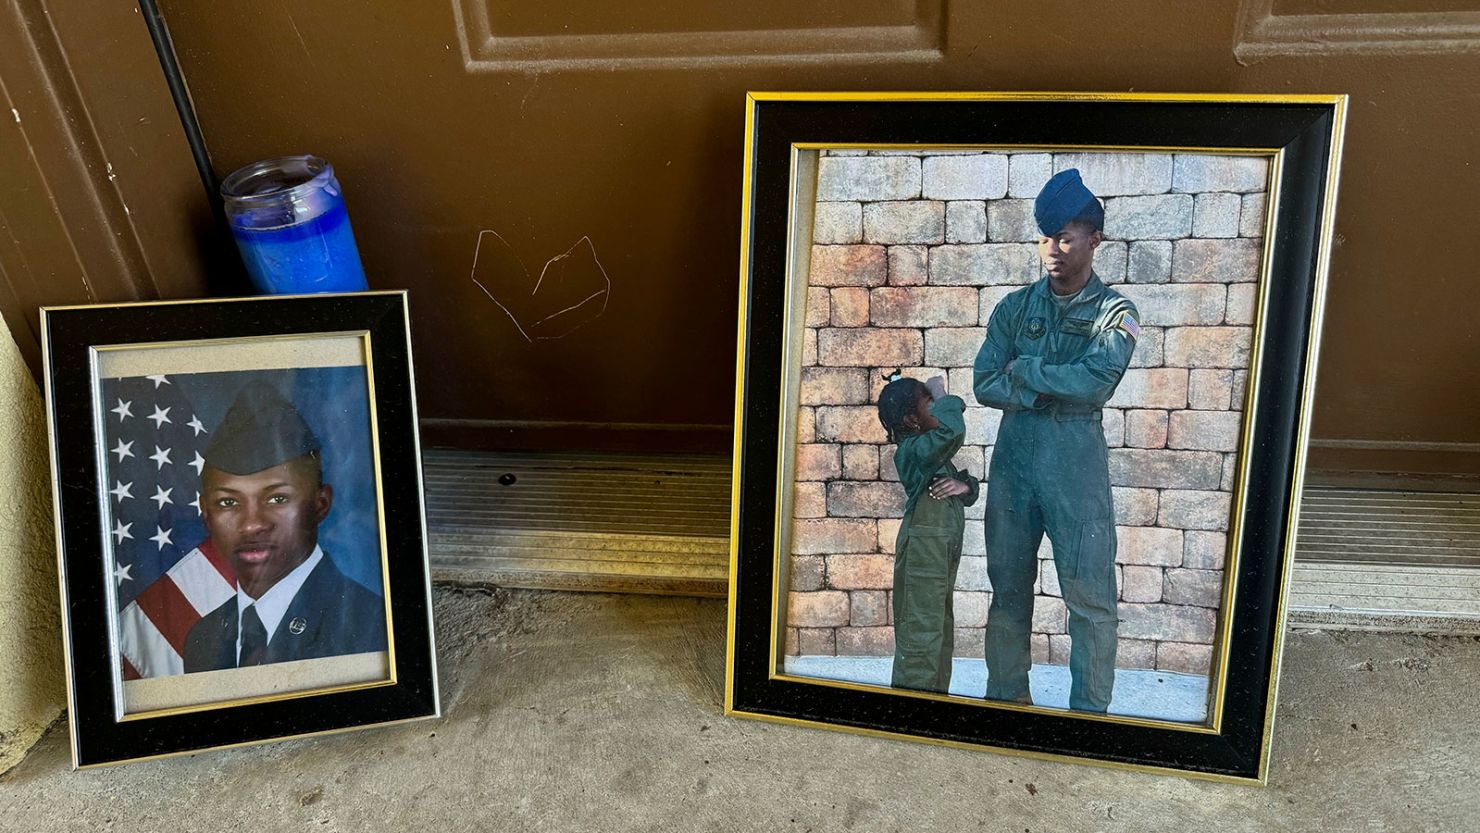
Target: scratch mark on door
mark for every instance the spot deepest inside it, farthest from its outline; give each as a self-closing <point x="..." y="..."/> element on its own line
<point x="562" y="298"/>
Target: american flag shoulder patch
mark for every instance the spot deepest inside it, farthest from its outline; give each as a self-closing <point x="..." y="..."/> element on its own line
<point x="1128" y="323"/>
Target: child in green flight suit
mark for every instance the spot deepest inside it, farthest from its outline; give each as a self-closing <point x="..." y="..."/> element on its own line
<point x="929" y="428"/>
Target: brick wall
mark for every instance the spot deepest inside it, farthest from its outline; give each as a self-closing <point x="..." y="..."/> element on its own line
<point x="912" y="251"/>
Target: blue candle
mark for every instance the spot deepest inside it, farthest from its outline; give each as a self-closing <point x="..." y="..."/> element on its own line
<point x="291" y="226"/>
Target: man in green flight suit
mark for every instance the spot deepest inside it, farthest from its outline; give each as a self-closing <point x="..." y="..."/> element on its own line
<point x="1053" y="355"/>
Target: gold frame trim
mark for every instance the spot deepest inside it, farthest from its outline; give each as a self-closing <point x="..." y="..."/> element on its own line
<point x="787" y="415"/>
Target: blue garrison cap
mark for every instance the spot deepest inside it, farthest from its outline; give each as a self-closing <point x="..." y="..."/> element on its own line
<point x="261" y="430"/>
<point x="1063" y="200"/>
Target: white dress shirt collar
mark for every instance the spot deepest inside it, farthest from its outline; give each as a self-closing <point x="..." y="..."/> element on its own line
<point x="274" y="603"/>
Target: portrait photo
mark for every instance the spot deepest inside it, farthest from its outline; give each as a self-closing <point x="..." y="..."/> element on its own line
<point x="1021" y="414"/>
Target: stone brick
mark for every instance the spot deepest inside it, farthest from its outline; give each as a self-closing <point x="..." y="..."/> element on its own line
<point x="868" y="178"/>
<point x="816" y="642"/>
<point x="1184" y="658"/>
<point x="848" y="266"/>
<point x="1038" y="647"/>
<point x="1149" y="546"/>
<point x="1112" y="422"/>
<point x="1059" y="647"/>
<point x="1155" y="387"/>
<point x="818" y="461"/>
<point x="1240" y="382"/>
<point x="908" y="265"/>
<point x="972" y="574"/>
<point x="1164" y="622"/>
<point x="868" y="607"/>
<point x="830" y="535"/>
<point x="969" y="460"/>
<point x="860" y="572"/>
<point x="793" y="645"/>
<point x="1140" y="584"/>
<point x="1150" y="261"/>
<point x="845" y="347"/>
<point x="819" y="306"/>
<point x="1050" y="615"/>
<point x="982" y="424"/>
<point x="1215" y="261"/>
<point x="1115" y="174"/>
<point x="806" y="425"/>
<point x="807" y="573"/>
<point x="1204" y="550"/>
<point x="822" y="609"/>
<point x="810" y="500"/>
<point x="873" y="499"/>
<point x="1011" y="221"/>
<point x="1048" y="579"/>
<point x="1208" y="347"/>
<point x="1209" y="390"/>
<point x="966" y="221"/>
<point x="1027" y="173"/>
<point x="888" y="534"/>
<point x="925" y="306"/>
<point x="1150" y="348"/>
<point x="1170" y="305"/>
<point x="952" y="346"/>
<point x="1196" y="172"/>
<point x="1203" y="588"/>
<point x="1134" y="507"/>
<point x="1205" y="430"/>
<point x="865" y="642"/>
<point x="845" y="152"/>
<point x="834" y="386"/>
<point x="860" y="462"/>
<point x="1135" y="653"/>
<point x="1251" y="216"/>
<point x="837" y="222"/>
<point x="1162" y="217"/>
<point x="915" y="221"/>
<point x="1146" y="429"/>
<point x="1241" y="303"/>
<point x="1109" y="261"/>
<point x="989" y="297"/>
<point x="970" y="643"/>
<point x="984" y="263"/>
<point x="974" y="540"/>
<point x="849" y="305"/>
<point x="1230" y="472"/>
<point x="958" y="381"/>
<point x="886" y="464"/>
<point x="809" y="347"/>
<point x="1195" y="509"/>
<point x="1216" y="215"/>
<point x="1165" y="469"/>
<point x="970" y="609"/>
<point x="981" y="177"/>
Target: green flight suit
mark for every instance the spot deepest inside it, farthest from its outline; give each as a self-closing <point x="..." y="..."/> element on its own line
<point x="927" y="551"/>
<point x="1050" y="473"/>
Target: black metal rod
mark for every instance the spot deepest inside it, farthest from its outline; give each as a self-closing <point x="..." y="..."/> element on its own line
<point x="165" y="48"/>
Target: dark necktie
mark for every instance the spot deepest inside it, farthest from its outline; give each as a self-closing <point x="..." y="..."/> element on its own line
<point x="254" y="638"/>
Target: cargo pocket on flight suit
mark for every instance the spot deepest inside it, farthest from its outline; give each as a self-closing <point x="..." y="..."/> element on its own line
<point x="927" y="561"/>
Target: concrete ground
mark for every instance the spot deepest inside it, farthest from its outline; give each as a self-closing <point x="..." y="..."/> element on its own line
<point x="570" y="712"/>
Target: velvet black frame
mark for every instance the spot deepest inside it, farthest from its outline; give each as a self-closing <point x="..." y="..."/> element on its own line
<point x="69" y="334"/>
<point x="1307" y="132"/>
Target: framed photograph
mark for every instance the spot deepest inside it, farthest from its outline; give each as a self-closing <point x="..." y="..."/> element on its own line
<point x="240" y="530"/>
<point x="1022" y="407"/>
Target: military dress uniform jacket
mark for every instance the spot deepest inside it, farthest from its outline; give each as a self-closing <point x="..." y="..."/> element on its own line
<point x="337" y="617"/>
<point x="1050" y="367"/>
<point x="928" y="551"/>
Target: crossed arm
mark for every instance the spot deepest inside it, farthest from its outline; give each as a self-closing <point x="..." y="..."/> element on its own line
<point x="1014" y="383"/>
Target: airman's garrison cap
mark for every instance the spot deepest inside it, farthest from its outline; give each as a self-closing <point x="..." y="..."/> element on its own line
<point x="261" y="430"/>
<point x="1063" y="200"/>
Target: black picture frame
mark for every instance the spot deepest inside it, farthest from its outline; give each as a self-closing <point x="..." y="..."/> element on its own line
<point x="375" y="325"/>
<point x="1301" y="136"/>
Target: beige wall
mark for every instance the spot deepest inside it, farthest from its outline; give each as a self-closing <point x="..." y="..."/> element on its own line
<point x="32" y="693"/>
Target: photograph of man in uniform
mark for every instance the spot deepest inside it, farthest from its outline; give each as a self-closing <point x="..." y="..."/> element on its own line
<point x="262" y="499"/>
<point x="1054" y="353"/>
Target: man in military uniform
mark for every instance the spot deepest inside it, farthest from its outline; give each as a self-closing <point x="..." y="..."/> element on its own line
<point x="1053" y="355"/>
<point x="263" y="497"/>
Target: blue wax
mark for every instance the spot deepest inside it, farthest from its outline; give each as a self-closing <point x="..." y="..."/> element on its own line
<point x="316" y="255"/>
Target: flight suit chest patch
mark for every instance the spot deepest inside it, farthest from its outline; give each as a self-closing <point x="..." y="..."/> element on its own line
<point x="1077" y="326"/>
<point x="1036" y="328"/>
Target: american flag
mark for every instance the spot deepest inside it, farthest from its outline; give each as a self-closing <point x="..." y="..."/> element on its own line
<point x="166" y="571"/>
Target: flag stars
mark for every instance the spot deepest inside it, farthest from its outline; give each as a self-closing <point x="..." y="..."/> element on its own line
<point x="198" y="463"/>
<point x="160" y="417"/>
<point x="123" y="449"/>
<point x="161" y="456"/>
<point x="196" y="503"/>
<point x="158" y="380"/>
<point x="161" y="537"/>
<point x="121" y="531"/>
<point x="124" y="410"/>
<point x="162" y="496"/>
<point x="121" y="573"/>
<point x="121" y="490"/>
<point x="196" y="425"/>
